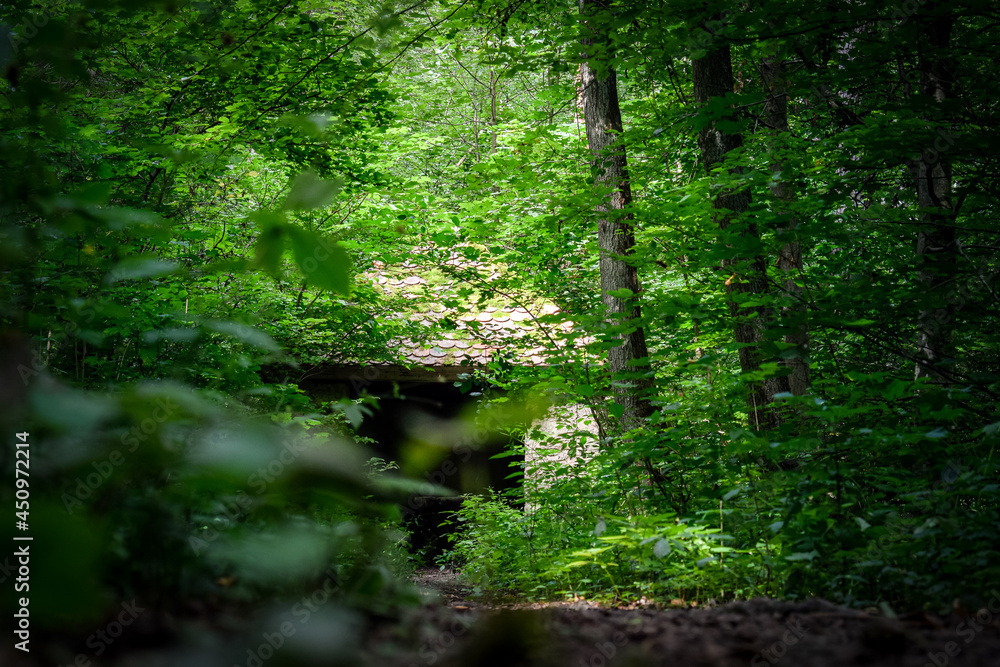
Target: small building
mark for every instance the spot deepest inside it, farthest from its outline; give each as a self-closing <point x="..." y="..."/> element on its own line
<point x="431" y="381"/>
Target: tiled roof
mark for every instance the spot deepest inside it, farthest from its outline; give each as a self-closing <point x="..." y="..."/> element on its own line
<point x="474" y="335"/>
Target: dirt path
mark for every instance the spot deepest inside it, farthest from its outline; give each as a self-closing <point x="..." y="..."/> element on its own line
<point x="455" y="630"/>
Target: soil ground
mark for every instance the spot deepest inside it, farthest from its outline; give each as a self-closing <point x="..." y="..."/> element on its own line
<point x="454" y="629"/>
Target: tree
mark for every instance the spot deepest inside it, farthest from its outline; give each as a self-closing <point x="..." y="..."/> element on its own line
<point x="747" y="276"/>
<point x="146" y="159"/>
<point x="937" y="242"/>
<point x="790" y="254"/>
<point x="619" y="277"/>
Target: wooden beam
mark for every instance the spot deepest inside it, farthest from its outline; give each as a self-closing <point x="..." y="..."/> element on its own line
<point x="377" y="373"/>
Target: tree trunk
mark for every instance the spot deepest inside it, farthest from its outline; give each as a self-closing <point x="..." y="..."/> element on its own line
<point x="790" y="256"/>
<point x="603" y="120"/>
<point x="936" y="241"/>
<point x="713" y="77"/>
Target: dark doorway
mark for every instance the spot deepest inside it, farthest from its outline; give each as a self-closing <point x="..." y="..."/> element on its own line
<point x="407" y="410"/>
<point x="415" y="410"/>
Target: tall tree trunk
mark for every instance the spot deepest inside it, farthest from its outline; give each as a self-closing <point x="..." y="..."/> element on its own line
<point x="603" y="120"/>
<point x="790" y="256"/>
<point x="936" y="240"/>
<point x="713" y="77"/>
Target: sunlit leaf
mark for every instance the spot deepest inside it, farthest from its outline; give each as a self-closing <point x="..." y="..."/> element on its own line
<point x="308" y="191"/>
<point x="323" y="262"/>
<point x="661" y="548"/>
<point x="269" y="250"/>
<point x="243" y="333"/>
<point x="140" y="267"/>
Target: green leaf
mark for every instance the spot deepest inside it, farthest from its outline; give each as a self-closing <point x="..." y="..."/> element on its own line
<point x="616" y="410"/>
<point x="119" y="218"/>
<point x="171" y="334"/>
<point x="135" y="268"/>
<point x="309" y="191"/>
<point x="243" y="333"/>
<point x="661" y="548"/>
<point x="323" y="262"/>
<point x="269" y="249"/>
<point x="354" y="413"/>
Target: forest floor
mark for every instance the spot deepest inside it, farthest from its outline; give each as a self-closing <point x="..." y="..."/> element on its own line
<point x="455" y="629"/>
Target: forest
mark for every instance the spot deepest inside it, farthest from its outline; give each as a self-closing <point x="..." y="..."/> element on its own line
<point x="496" y="332"/>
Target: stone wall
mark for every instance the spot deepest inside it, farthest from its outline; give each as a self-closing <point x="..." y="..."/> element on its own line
<point x="556" y="444"/>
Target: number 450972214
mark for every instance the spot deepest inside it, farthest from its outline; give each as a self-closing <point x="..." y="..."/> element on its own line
<point x="22" y="454"/>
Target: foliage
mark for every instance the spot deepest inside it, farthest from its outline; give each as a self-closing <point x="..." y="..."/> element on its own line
<point x="490" y="542"/>
<point x="196" y="197"/>
<point x="851" y="496"/>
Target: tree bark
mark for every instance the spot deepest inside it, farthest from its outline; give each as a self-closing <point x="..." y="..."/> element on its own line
<point x="713" y="77"/>
<point x="790" y="256"/>
<point x="616" y="238"/>
<point x="937" y="242"/>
